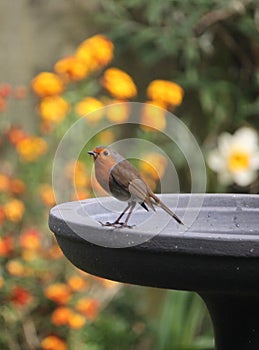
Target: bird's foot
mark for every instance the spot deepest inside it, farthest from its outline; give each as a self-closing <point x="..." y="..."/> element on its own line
<point x="116" y="224"/>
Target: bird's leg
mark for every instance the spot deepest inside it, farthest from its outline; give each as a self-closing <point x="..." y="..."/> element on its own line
<point x="117" y="222"/>
<point x="129" y="214"/>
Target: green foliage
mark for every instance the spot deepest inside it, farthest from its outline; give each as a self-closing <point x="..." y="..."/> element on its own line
<point x="209" y="47"/>
<point x="183" y="323"/>
<point x="121" y="325"/>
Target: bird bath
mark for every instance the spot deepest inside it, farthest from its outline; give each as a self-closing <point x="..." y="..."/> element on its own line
<point x="217" y="256"/>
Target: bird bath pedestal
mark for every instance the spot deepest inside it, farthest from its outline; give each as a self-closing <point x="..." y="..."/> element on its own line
<point x="217" y="256"/>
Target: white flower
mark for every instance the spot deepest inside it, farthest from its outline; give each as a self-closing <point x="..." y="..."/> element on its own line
<point x="237" y="157"/>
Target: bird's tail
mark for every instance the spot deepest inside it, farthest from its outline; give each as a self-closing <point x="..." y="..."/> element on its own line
<point x="162" y="205"/>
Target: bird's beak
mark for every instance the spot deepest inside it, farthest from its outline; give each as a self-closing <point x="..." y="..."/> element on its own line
<point x="92" y="153"/>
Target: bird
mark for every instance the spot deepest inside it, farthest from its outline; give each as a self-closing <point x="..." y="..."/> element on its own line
<point x="122" y="180"/>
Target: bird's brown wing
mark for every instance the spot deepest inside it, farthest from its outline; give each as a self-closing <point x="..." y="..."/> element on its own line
<point x="129" y="178"/>
<point x="124" y="172"/>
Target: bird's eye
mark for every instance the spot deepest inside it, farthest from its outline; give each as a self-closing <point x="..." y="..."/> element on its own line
<point x="106" y="153"/>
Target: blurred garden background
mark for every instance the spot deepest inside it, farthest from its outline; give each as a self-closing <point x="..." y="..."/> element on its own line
<point x="62" y="60"/>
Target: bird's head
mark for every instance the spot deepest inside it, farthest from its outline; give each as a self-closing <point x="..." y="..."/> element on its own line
<point x="105" y="155"/>
<point x="100" y="152"/>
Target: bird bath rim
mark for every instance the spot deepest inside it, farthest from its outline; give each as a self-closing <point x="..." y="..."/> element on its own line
<point x="226" y="225"/>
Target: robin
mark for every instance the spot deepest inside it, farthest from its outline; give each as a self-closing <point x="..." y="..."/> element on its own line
<point x="122" y="180"/>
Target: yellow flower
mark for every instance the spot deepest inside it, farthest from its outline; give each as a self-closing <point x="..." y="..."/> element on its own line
<point x="53" y="109"/>
<point x="47" y="195"/>
<point x="47" y="84"/>
<point x="15" y="268"/>
<point x="118" y="83"/>
<point x="4" y="183"/>
<point x="17" y="186"/>
<point x="29" y="255"/>
<point x="65" y="316"/>
<point x="52" y="342"/>
<point x="1" y="282"/>
<point x="153" y="116"/>
<point x="54" y="252"/>
<point x="88" y="307"/>
<point x="106" y="137"/>
<point x="118" y="112"/>
<point x="96" y="51"/>
<point x="76" y="283"/>
<point x="6" y="246"/>
<point x="154" y="165"/>
<point x="166" y="92"/>
<point x="80" y="195"/>
<point x="58" y="292"/>
<point x="31" y="148"/>
<point x="61" y="316"/>
<point x="78" y="175"/>
<point x="14" y="210"/>
<point x="76" y="321"/>
<point x="72" y="68"/>
<point x="90" y="108"/>
<point x="30" y="239"/>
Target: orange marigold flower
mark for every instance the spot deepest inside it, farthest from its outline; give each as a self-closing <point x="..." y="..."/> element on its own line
<point x="58" y="292"/>
<point x="15" y="135"/>
<point x="30" y="239"/>
<point x="53" y="109"/>
<point x="16" y="268"/>
<point x="29" y="255"/>
<point x="61" y="316"/>
<point x="117" y="112"/>
<point x="76" y="321"/>
<point x="76" y="283"/>
<point x="47" y="84"/>
<point x="106" y="137"/>
<point x="74" y="167"/>
<point x="166" y="92"/>
<point x="81" y="179"/>
<point x="2" y="215"/>
<point x="47" y="195"/>
<point x="90" y="108"/>
<point x="72" y="68"/>
<point x="20" y="296"/>
<point x="96" y="51"/>
<point x="14" y="210"/>
<point x="2" y="104"/>
<point x="88" y="307"/>
<point x="119" y="84"/>
<point x="154" y="165"/>
<point x="77" y="173"/>
<point x="52" y="342"/>
<point x="1" y="282"/>
<point x="6" y="246"/>
<point x="153" y="116"/>
<point x="31" y="148"/>
<point x="54" y="252"/>
<point x="80" y="194"/>
<point x="4" y="183"/>
<point x="17" y="186"/>
<point x="5" y="90"/>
